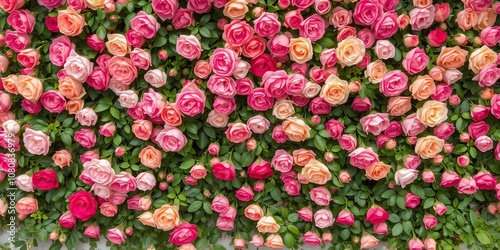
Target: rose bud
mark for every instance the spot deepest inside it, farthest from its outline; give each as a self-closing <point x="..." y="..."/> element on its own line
<point x="315" y="119"/>
<point x="403" y="21"/>
<point x="354" y="86"/>
<point x="344" y="177"/>
<point x="438" y="159"/>
<point x="213" y="149"/>
<point x="448" y="147"/>
<point x="129" y="231"/>
<point x="259" y="186"/>
<point x="487" y="93"/>
<point x="119" y="151"/>
<point x="411" y="140"/>
<point x="163" y="54"/>
<point x="62" y="238"/>
<point x="391" y="185"/>
<point x="53" y="235"/>
<point x="464" y="137"/>
<point x="391" y="144"/>
<point x="463" y="161"/>
<point x="329" y="156"/>
<point x="461" y="39"/>
<point x="493" y="209"/>
<point x="428" y="176"/>
<point x="206" y="193"/>
<point x="170" y="178"/>
<point x="257" y="11"/>
<point x="163" y="185"/>
<point x="410" y="41"/>
<point x="454" y="100"/>
<point x="251" y="144"/>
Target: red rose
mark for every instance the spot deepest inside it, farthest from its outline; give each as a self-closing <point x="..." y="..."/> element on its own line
<point x="224" y="171"/>
<point x="45" y="179"/>
<point x="260" y="170"/>
<point x="376" y="215"/>
<point x="437" y="37"/>
<point x="82" y="205"/>
<point x="183" y="234"/>
<point x="261" y="64"/>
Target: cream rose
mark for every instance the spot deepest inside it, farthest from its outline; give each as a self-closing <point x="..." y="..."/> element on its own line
<point x="267" y="224"/>
<point x="350" y="51"/>
<point x="316" y="172"/>
<point x="283" y="109"/>
<point x="29" y="87"/>
<point x="301" y="49"/>
<point x="167" y="217"/>
<point x="375" y="71"/>
<point x="428" y="147"/>
<point x="335" y="91"/>
<point x="482" y="58"/>
<point x="117" y="45"/>
<point x="296" y="129"/>
<point x="432" y="113"/>
<point x="95" y="4"/>
<point x="311" y="89"/>
<point x="422" y="87"/>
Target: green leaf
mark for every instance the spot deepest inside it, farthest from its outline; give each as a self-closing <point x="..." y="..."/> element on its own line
<point x="483" y="238"/>
<point x="205" y="32"/>
<point x="397" y="55"/>
<point x="195" y="206"/>
<point x="397" y="229"/>
<point x="293" y="217"/>
<point x="160" y="41"/>
<point x="101" y="33"/>
<point x="320" y="143"/>
<point x="187" y="164"/>
<point x="289" y="240"/>
<point x="276" y="194"/>
<point x="293" y="229"/>
<point x="428" y="203"/>
<point x="66" y="139"/>
<point x="191" y="127"/>
<point x="114" y="112"/>
<point x="345" y="234"/>
<point x="473" y="152"/>
<point x="418" y="191"/>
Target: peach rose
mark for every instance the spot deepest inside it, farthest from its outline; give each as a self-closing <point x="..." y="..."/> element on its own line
<point x="422" y="87"/>
<point x="432" y="113"/>
<point x="254" y="212"/>
<point x="283" y="109"/>
<point x="147" y="219"/>
<point x="74" y="106"/>
<point x="171" y="114"/>
<point x="316" y="172"/>
<point x="375" y="71"/>
<point x="62" y="158"/>
<point x="95" y="4"/>
<point x="335" y="91"/>
<point x="466" y="19"/>
<point x="150" y="157"/>
<point x="485" y="19"/>
<point x="267" y="224"/>
<point x="71" y="88"/>
<point x="26" y="205"/>
<point x="350" y="51"/>
<point x="377" y="171"/>
<point x="301" y="50"/>
<point x="167" y="217"/>
<point x="29" y="87"/>
<point x="302" y="156"/>
<point x="428" y="147"/>
<point x="482" y="58"/>
<point x="296" y="129"/>
<point x="274" y="241"/>
<point x="451" y="58"/>
<point x="235" y="9"/>
<point x="399" y="105"/>
<point x="9" y="84"/>
<point x="117" y="45"/>
<point x="70" y="22"/>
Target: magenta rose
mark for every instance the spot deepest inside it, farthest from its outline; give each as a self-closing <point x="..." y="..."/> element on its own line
<point x="415" y="61"/>
<point x="313" y="27"/>
<point x="45" y="179"/>
<point x="53" y="101"/>
<point x="134" y="38"/>
<point x="51" y="24"/>
<point x="302" y="4"/>
<point x="442" y="93"/>
<point x="82" y="205"/>
<point x="444" y="130"/>
<point x="165" y="9"/>
<point x="477" y="129"/>
<point x="258" y="100"/>
<point x="394" y="129"/>
<point x="274" y="84"/>
<point x="183" y="234"/>
<point x="386" y="26"/>
<point x="279" y="134"/>
<point x="262" y="64"/>
<point x="22" y="21"/>
<point x="224" y="171"/>
<point x="293" y="19"/>
<point x="260" y="170"/>
<point x="490" y="36"/>
<point x="367" y="12"/>
<point x="223" y="61"/>
<point x="199" y="6"/>
<point x="16" y="40"/>
<point x="51" y="4"/>
<point x="334" y="128"/>
<point x="361" y="104"/>
<point x="99" y="79"/>
<point x="183" y="18"/>
<point x="376" y="215"/>
<point x="319" y="106"/>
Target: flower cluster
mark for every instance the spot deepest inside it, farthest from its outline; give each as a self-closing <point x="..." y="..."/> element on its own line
<point x="170" y="123"/>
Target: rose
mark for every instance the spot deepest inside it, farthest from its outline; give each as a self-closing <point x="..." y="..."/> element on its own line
<point x="267" y="224"/>
<point x="380" y="228"/>
<point x="260" y="170"/>
<point x="140" y="58"/>
<point x="24" y="182"/>
<point x="442" y="12"/>
<point x="442" y="93"/>
<point x="254" y="48"/>
<point x="108" y="209"/>
<point x="123" y="182"/>
<point x="145" y="181"/>
<point x="201" y="69"/>
<point x="36" y="142"/>
<point x="305" y="214"/>
<point x="376" y="215"/>
<point x="375" y="123"/>
<point x="432" y="113"/>
<point x="92" y="231"/>
<point x="258" y="124"/>
<point x="188" y="47"/>
<point x="482" y="58"/>
<point x="488" y="76"/>
<point x="222" y="86"/>
<point x="29" y="87"/>
<point x="350" y="51"/>
<point x="224" y="171"/>
<point x="117" y="45"/>
<point x="313" y="27"/>
<point x="340" y="17"/>
<point x="116" y="236"/>
<point x="451" y="58"/>
<point x="345" y="218"/>
<point x="223" y="62"/>
<point x="422" y="18"/>
<point x="363" y="158"/>
<point x="82" y="205"/>
<point x="282" y="161"/>
<point x="485" y="181"/>
<point x="386" y="26"/>
<point x="296" y="129"/>
<point x="27" y="205"/>
<point x="45" y="179"/>
<point x="444" y="130"/>
<point x="301" y="50"/>
<point x="17" y="41"/>
<point x="437" y="37"/>
<point x="490" y="35"/>
<point x="199" y="6"/>
<point x="10" y="6"/>
<point x="28" y="58"/>
<point x="262" y="64"/>
<point x="311" y="239"/>
<point x="429" y="146"/>
<point x="316" y="172"/>
<point x="244" y="194"/>
<point x="320" y="195"/>
<point x="171" y="139"/>
<point x="323" y="218"/>
<point x="334" y="128"/>
<point x="144" y="24"/>
<point x="85" y="137"/>
<point x="53" y="101"/>
<point x="335" y="91"/>
<point x="302" y="156"/>
<point x="449" y="179"/>
<point x="198" y="171"/>
<point x="293" y="19"/>
<point x="415" y="61"/>
<point x="235" y="9"/>
<point x="70" y="88"/>
<point x="430" y="221"/>
<point x="191" y="100"/>
<point x="377" y="171"/>
<point x="367" y="12"/>
<point x="165" y="9"/>
<point x="405" y="176"/>
<point x="302" y="4"/>
<point x="467" y="186"/>
<point x="375" y="71"/>
<point x="415" y="244"/>
<point x="217" y="120"/>
<point x="156" y="78"/>
<point x="99" y="79"/>
<point x="385" y="49"/>
<point x="99" y="171"/>
<point x="466" y="19"/>
<point x="220" y="204"/>
<point x="368" y="241"/>
<point x="283" y="109"/>
<point x="423" y="87"/>
<point x="483" y="143"/>
<point x="477" y="129"/>
<point x="495" y="106"/>
<point x="238" y="132"/>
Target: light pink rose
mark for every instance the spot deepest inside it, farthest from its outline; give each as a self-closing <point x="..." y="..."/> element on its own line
<point x="322" y="6"/>
<point x="24" y="182"/>
<point x="217" y="120"/>
<point x="140" y="58"/>
<point x="78" y="67"/>
<point x="415" y="61"/>
<point x="385" y="49"/>
<point x="412" y="126"/>
<point x="191" y="100"/>
<point x="313" y="27"/>
<point x="157" y="78"/>
<point x="323" y="218"/>
<point x="202" y="69"/>
<point x="36" y="142"/>
<point x="188" y="47"/>
<point x="405" y="176"/>
<point x="347" y="142"/>
<point x="86" y="117"/>
<point x="340" y="18"/>
<point x="116" y="236"/>
<point x="467" y="186"/>
<point x="267" y="25"/>
<point x="320" y="195"/>
<point x="452" y="76"/>
<point x="145" y="181"/>
<point x="99" y="171"/>
<point x="375" y="123"/>
<point x="258" y="124"/>
<point x="165" y="9"/>
<point x="363" y="158"/>
<point x="128" y="99"/>
<point x="223" y="61"/>
<point x="123" y="182"/>
<point x="422" y="18"/>
<point x="152" y="103"/>
<point x="483" y="143"/>
<point x="171" y="139"/>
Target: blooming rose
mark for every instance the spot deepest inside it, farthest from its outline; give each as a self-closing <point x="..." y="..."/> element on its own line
<point x="191" y="100"/>
<point x="375" y="71"/>
<point x="165" y="9"/>
<point x="432" y="113"/>
<point x="144" y="24"/>
<point x="483" y="143"/>
<point x="429" y="146"/>
<point x="415" y="61"/>
<point x="376" y="215"/>
<point x="411" y="200"/>
<point x="313" y="27"/>
<point x="375" y="123"/>
<point x="70" y="22"/>
<point x="235" y="9"/>
<point x="27" y="205"/>
<point x="386" y="26"/>
<point x="323" y="218"/>
<point x="82" y="205"/>
<point x="377" y="171"/>
<point x="451" y="58"/>
<point x="267" y="25"/>
<point x="36" y="142"/>
<point x="29" y="87"/>
<point x="301" y="50"/>
<point x="45" y="179"/>
<point x="224" y="171"/>
<point x="467" y="186"/>
<point x="340" y="17"/>
<point x="296" y="129"/>
<point x="485" y="181"/>
<point x="117" y="45"/>
<point x="482" y="58"/>
<point x="316" y="172"/>
<point x="368" y="241"/>
<point x="267" y="224"/>
<point x="367" y="12"/>
<point x="350" y="51"/>
<point x="335" y="91"/>
<point x="188" y="47"/>
<point x="405" y="176"/>
<point x="320" y="195"/>
<point x="422" y="18"/>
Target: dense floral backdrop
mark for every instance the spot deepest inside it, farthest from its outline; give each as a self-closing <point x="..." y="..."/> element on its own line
<point x="166" y="124"/>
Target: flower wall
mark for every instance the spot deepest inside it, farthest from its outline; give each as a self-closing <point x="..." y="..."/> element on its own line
<point x="166" y="124"/>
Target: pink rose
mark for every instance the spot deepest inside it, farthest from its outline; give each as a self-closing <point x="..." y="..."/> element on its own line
<point x="380" y="228"/>
<point x="428" y="176"/>
<point x="405" y="176"/>
<point x="345" y="218"/>
<point x="51" y="4"/>
<point x="262" y="64"/>
<point x="92" y="231"/>
<point x="78" y="67"/>
<point x="223" y="61"/>
<point x="78" y="5"/>
<point x="22" y="21"/>
<point x="442" y="93"/>
<point x="165" y="9"/>
<point x="430" y="221"/>
<point x="412" y="126"/>
<point x="171" y="139"/>
<point x="302" y="4"/>
<point x="191" y="100"/>
<point x="386" y="26"/>
<point x="10" y="6"/>
<point x="363" y="158"/>
<point x="347" y="142"/>
<point x="477" y="5"/>
<point x="415" y="61"/>
<point x="490" y="36"/>
<point x="293" y="19"/>
<point x="488" y="76"/>
<point x="393" y="130"/>
<point x="238" y="132"/>
<point x="85" y="137"/>
<point x="463" y="161"/>
<point x="254" y="48"/>
<point x="268" y="25"/>
<point x="467" y="186"/>
<point x="385" y="49"/>
<point x="393" y="83"/>
<point x="123" y="182"/>
<point x="220" y="204"/>
<point x="86" y="117"/>
<point x="188" y="47"/>
<point x="477" y="129"/>
<point x="389" y="5"/>
<point x="53" y="101"/>
<point x="367" y="12"/>
<point x="376" y="214"/>
<point x="449" y="179"/>
<point x="199" y="6"/>
<point x="320" y="195"/>
<point x="202" y="69"/>
<point x="334" y="128"/>
<point x="23" y="182"/>
<point x="145" y="181"/>
<point x="495" y="106"/>
<point x="422" y="18"/>
<point x="451" y="76"/>
<point x="282" y="161"/>
<point x="88" y="156"/>
<point x="311" y="239"/>
<point x="140" y="58"/>
<point x="485" y="181"/>
<point x="367" y="37"/>
<point x="116" y="236"/>
<point x="340" y="18"/>
<point x="258" y="124"/>
<point x="274" y="83"/>
<point x="437" y="37"/>
<point x="152" y="103"/>
<point x="279" y="134"/>
<point x="444" y="130"/>
<point x="16" y="40"/>
<point x="322" y="6"/>
<point x="224" y="105"/>
<point x="279" y="45"/>
<point x="375" y="123"/>
<point x="183" y="18"/>
<point x="134" y="38"/>
<point x="244" y="194"/>
<point x="222" y="85"/>
<point x="94" y="42"/>
<point x="361" y="104"/>
<point x="319" y="106"/>
<point x="412" y="161"/>
<point x="313" y="27"/>
<point x="217" y="120"/>
<point x="440" y="208"/>
<point x="483" y="143"/>
<point x="122" y="69"/>
<point x="156" y="78"/>
<point x="442" y="12"/>
<point x="295" y="84"/>
<point x="323" y="218"/>
<point x="237" y="33"/>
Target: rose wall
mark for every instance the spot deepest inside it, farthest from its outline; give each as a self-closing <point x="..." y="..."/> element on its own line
<point x="165" y="124"/>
